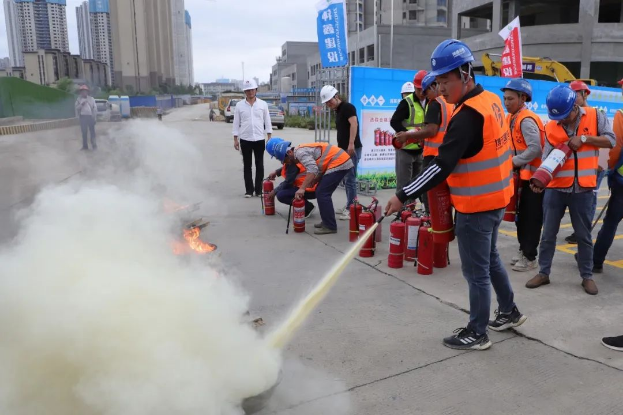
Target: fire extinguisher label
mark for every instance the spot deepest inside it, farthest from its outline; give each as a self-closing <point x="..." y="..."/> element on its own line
<point x="556" y="158"/>
<point x="362" y="227"/>
<point x="412" y="239"/>
<point x="394" y="241"/>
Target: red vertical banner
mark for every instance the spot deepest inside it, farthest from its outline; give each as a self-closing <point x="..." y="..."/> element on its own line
<point x="511" y="56"/>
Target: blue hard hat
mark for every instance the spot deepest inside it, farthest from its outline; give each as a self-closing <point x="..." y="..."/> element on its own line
<point x="277" y="147"/>
<point x="449" y="55"/>
<point x="560" y="102"/>
<point x="428" y="80"/>
<point x="519" y="85"/>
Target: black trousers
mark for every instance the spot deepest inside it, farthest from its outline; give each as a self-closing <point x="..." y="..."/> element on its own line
<point x="250" y="149"/>
<point x="425" y="162"/>
<point x="529" y="220"/>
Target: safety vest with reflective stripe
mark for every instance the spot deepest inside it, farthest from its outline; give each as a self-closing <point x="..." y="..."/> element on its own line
<point x="519" y="143"/>
<point x="300" y="177"/>
<point x="585" y="161"/>
<point x="431" y="145"/>
<point x="330" y="157"/>
<point x="485" y="182"/>
<point x="415" y="120"/>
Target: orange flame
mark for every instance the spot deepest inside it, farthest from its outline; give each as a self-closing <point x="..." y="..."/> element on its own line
<point x="192" y="236"/>
<point x="194" y="242"/>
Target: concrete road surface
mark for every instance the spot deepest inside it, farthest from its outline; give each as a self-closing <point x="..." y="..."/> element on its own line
<point x="374" y="346"/>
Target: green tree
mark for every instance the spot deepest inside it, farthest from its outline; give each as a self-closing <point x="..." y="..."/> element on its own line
<point x="65" y="85"/>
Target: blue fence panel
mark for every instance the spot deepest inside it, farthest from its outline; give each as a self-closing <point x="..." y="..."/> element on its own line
<point x="143" y="101"/>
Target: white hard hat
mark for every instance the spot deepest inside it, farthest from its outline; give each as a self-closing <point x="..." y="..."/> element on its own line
<point x="407" y="87"/>
<point x="327" y="92"/>
<point x="249" y="85"/>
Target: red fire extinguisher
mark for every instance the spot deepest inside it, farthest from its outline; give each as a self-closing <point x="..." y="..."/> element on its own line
<point x="510" y="214"/>
<point x="412" y="224"/>
<point x="396" y="244"/>
<point x="269" y="202"/>
<point x="353" y="229"/>
<point x="299" y="215"/>
<point x="405" y="214"/>
<point x="550" y="166"/>
<point x="440" y="255"/>
<point x="298" y="205"/>
<point x="440" y="207"/>
<point x="425" y="250"/>
<point x="366" y="220"/>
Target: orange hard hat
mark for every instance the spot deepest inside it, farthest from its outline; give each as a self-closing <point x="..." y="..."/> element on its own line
<point x="417" y="79"/>
<point x="580" y="86"/>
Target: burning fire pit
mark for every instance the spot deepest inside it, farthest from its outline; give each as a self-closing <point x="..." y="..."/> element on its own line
<point x="192" y="239"/>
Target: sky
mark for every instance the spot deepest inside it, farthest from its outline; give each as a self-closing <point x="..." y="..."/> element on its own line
<point x="227" y="33"/>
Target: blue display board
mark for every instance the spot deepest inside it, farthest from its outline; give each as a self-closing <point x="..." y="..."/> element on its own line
<point x="332" y="37"/>
<point x="375" y="92"/>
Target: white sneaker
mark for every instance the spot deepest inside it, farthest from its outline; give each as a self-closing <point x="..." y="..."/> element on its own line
<point x="517" y="257"/>
<point x="345" y="215"/>
<point x="524" y="265"/>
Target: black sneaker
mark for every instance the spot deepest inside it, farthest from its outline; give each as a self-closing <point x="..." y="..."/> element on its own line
<point x="467" y="339"/>
<point x="310" y="211"/>
<point x="507" y="321"/>
<point x="571" y="239"/>
<point x="614" y="343"/>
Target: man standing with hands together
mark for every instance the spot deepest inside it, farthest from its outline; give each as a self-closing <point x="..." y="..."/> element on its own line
<point x="251" y="122"/>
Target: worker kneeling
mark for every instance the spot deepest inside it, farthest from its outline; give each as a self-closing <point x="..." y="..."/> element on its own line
<point x="294" y="175"/>
<point x="325" y="166"/>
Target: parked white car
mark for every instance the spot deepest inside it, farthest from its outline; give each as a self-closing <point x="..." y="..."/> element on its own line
<point x="277" y="118"/>
<point x="229" y="110"/>
<point x="107" y="111"/>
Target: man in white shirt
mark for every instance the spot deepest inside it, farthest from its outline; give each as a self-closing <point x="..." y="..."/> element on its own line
<point x="251" y="121"/>
<point x="86" y="111"/>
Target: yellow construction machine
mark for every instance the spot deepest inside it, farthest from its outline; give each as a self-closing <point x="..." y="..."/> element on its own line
<point x="541" y="66"/>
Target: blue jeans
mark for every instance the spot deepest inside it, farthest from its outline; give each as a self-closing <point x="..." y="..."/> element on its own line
<point x="350" y="181"/>
<point x="324" y="196"/>
<point x="614" y="215"/>
<point x="554" y="205"/>
<point x="477" y="235"/>
<point x="600" y="177"/>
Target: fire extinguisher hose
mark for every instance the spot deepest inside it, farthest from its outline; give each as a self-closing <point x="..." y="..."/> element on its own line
<point x="289" y="215"/>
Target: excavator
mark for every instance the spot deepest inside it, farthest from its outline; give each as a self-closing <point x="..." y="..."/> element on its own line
<point x="541" y="66"/>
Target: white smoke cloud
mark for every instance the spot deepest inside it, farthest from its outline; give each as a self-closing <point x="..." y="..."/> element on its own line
<point x="98" y="315"/>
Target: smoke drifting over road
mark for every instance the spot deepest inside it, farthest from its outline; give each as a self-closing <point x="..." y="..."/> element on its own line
<point x="100" y="317"/>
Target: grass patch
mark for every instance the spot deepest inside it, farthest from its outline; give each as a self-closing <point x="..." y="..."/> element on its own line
<point x="382" y="180"/>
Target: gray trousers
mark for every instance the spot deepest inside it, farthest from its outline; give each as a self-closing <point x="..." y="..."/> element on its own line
<point x="408" y="166"/>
